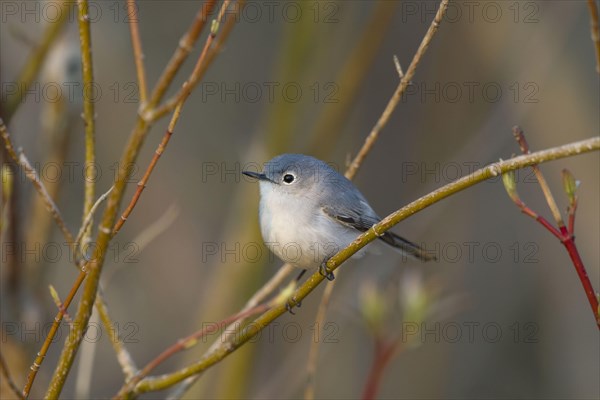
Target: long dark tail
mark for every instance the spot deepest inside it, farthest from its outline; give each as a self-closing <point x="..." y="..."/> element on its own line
<point x="407" y="247"/>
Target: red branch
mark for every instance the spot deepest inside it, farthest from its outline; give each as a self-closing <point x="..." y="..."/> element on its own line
<point x="564" y="234"/>
<point x="383" y="355"/>
<point x="569" y="242"/>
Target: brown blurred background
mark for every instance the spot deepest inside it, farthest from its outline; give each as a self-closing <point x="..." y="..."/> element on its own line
<point x="313" y="77"/>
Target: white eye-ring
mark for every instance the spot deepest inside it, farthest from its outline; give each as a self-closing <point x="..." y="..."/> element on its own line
<point x="289" y="178"/>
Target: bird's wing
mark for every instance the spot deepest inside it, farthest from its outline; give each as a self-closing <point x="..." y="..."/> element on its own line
<point x="352" y="218"/>
<point x="364" y="221"/>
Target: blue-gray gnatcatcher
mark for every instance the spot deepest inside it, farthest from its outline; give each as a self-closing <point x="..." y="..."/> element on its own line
<point x="308" y="212"/>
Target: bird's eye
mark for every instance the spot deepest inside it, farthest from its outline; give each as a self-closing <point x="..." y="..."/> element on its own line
<point x="288" y="178"/>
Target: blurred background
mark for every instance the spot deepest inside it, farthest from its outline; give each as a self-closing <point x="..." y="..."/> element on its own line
<point x="504" y="314"/>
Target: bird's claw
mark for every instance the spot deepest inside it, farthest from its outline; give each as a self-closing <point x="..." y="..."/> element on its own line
<point x="290" y="308"/>
<point x="290" y="305"/>
<point x="325" y="272"/>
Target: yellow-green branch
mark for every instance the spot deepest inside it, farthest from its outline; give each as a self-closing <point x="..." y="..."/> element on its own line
<point x="88" y="111"/>
<point x="107" y="222"/>
<point x="247" y="333"/>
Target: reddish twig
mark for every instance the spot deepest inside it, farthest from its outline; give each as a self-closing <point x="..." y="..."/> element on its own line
<point x="187" y="342"/>
<point x="383" y="355"/>
<point x="204" y="61"/>
<point x="569" y="244"/>
<point x="60" y="305"/>
<point x="530" y="213"/>
<point x="520" y="138"/>
<point x="55" y="324"/>
<point x="186" y="44"/>
<point x="563" y="233"/>
<point x="185" y="92"/>
<point x="142" y="183"/>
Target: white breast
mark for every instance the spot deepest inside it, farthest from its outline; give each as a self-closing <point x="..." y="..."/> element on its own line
<point x="297" y="230"/>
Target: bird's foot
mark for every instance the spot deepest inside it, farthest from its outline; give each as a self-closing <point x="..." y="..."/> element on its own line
<point x="291" y="303"/>
<point x="325" y="272"/>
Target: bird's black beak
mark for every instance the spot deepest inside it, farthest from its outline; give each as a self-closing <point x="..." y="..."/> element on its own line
<point x="256" y="175"/>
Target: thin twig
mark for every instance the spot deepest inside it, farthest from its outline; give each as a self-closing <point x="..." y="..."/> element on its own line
<point x="185" y="91"/>
<point x="186" y="343"/>
<point x="355" y="165"/>
<point x="218" y="354"/>
<point x="329" y="125"/>
<point x="105" y="230"/>
<point x="123" y="357"/>
<point x="10" y="149"/>
<point x="203" y="62"/>
<point x="564" y="234"/>
<point x="258" y="297"/>
<point x="8" y="379"/>
<point x="594" y="26"/>
<point x="32" y="175"/>
<point x="141" y="129"/>
<point x="269" y="287"/>
<point x="51" y="333"/>
<point x="142" y="183"/>
<point x="53" y="209"/>
<point x="396" y="97"/>
<point x="510" y="185"/>
<point x="383" y="355"/>
<point x="398" y="66"/>
<point x="186" y="44"/>
<point x="132" y="13"/>
<point x="520" y="137"/>
<point x="60" y="305"/>
<point x="543" y="221"/>
<point x="89" y="218"/>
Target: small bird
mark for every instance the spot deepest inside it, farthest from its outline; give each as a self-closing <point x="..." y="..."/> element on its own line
<point x="308" y="212"/>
